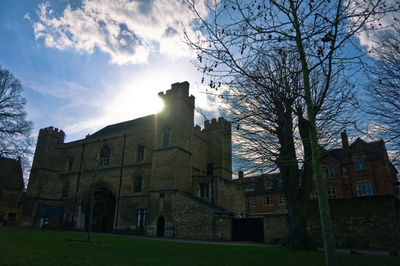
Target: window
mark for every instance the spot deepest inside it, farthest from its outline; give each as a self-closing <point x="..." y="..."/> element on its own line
<point x="253" y="202"/>
<point x="331" y="171"/>
<point x="141" y="218"/>
<point x="65" y="188"/>
<point x="282" y="199"/>
<point x="314" y="194"/>
<point x="331" y="191"/>
<point x="70" y="163"/>
<point x="204" y="190"/>
<point x="267" y="184"/>
<point x="137" y="185"/>
<point x="140" y="153"/>
<point x="360" y="164"/>
<point x="344" y="172"/>
<point x="210" y="169"/>
<point x="364" y="189"/>
<point x="267" y="200"/>
<point x="250" y="187"/>
<point x="105" y="156"/>
<point x="166" y="137"/>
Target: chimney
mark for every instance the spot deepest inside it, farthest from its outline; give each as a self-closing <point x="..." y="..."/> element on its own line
<point x="345" y="140"/>
<point x="240" y="174"/>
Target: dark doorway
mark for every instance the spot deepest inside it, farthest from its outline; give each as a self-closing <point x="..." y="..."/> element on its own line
<point x="103" y="211"/>
<point x="160" y="226"/>
<point x="248" y="229"/>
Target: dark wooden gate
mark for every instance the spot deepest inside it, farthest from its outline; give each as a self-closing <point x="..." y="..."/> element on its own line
<point x="248" y="229"/>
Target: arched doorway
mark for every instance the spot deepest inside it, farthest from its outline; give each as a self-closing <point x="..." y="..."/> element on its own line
<point x="160" y="226"/>
<point x="103" y="210"/>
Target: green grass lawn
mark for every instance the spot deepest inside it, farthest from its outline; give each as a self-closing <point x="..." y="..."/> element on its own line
<point x="25" y="246"/>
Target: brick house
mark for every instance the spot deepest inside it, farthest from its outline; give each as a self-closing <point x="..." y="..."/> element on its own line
<point x="11" y="189"/>
<point x="360" y="169"/>
<point x="157" y="175"/>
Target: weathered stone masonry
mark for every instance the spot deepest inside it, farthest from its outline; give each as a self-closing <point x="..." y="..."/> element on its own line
<point x="155" y="175"/>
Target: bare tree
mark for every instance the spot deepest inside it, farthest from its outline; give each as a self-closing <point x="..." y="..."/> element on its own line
<point x="234" y="34"/>
<point x="15" y="130"/>
<point x="91" y="185"/>
<point x="384" y="87"/>
<point x="272" y="131"/>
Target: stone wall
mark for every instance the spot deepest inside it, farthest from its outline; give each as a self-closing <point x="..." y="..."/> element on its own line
<point x="195" y="221"/>
<point x="230" y="196"/>
<point x="274" y="228"/>
<point x="364" y="222"/>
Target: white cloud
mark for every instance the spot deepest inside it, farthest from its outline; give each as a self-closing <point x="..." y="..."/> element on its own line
<point x="376" y="24"/>
<point x="126" y="30"/>
<point x="27" y="16"/>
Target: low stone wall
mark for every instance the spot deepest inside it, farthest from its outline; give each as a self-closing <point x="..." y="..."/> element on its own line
<point x="364" y="222"/>
<point x="194" y="221"/>
<point x="274" y="228"/>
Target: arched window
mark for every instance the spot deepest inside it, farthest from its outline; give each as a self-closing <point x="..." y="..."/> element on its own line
<point x="104" y="156"/>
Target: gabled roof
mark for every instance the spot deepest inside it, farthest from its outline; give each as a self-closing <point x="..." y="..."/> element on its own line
<point x="369" y="150"/>
<point x="11" y="174"/>
<point x="125" y="126"/>
<point x="265" y="183"/>
<point x="374" y="150"/>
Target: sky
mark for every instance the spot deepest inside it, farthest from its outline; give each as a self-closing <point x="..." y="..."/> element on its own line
<point x="88" y="64"/>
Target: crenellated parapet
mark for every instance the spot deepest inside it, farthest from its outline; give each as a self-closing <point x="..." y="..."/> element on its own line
<point x="178" y="90"/>
<point x="201" y="133"/>
<point x="51" y="131"/>
<point x="214" y="124"/>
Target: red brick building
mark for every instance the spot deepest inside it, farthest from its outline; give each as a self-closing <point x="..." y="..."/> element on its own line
<point x="360" y="169"/>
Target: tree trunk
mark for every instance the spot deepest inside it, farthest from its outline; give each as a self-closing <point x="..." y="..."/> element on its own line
<point x="326" y="224"/>
<point x="325" y="216"/>
<point x="297" y="236"/>
<point x="91" y="213"/>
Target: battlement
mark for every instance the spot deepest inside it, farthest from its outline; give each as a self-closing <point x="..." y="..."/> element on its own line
<point x="177" y="90"/>
<point x="220" y="123"/>
<point x="199" y="132"/>
<point x="51" y="131"/>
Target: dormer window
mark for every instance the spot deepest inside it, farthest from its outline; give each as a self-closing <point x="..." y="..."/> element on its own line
<point x="267" y="184"/>
<point x="104" y="156"/>
<point x="250" y="187"/>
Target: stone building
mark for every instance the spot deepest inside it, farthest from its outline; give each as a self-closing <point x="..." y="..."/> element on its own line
<point x="11" y="189"/>
<point x="157" y="175"/>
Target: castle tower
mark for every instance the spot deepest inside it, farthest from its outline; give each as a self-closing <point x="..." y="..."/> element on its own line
<point x="47" y="160"/>
<point x="173" y="140"/>
<point x="219" y="156"/>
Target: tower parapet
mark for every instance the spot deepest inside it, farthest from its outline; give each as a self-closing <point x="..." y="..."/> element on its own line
<point x="51" y="131"/>
<point x="178" y="90"/>
<point x="214" y="124"/>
